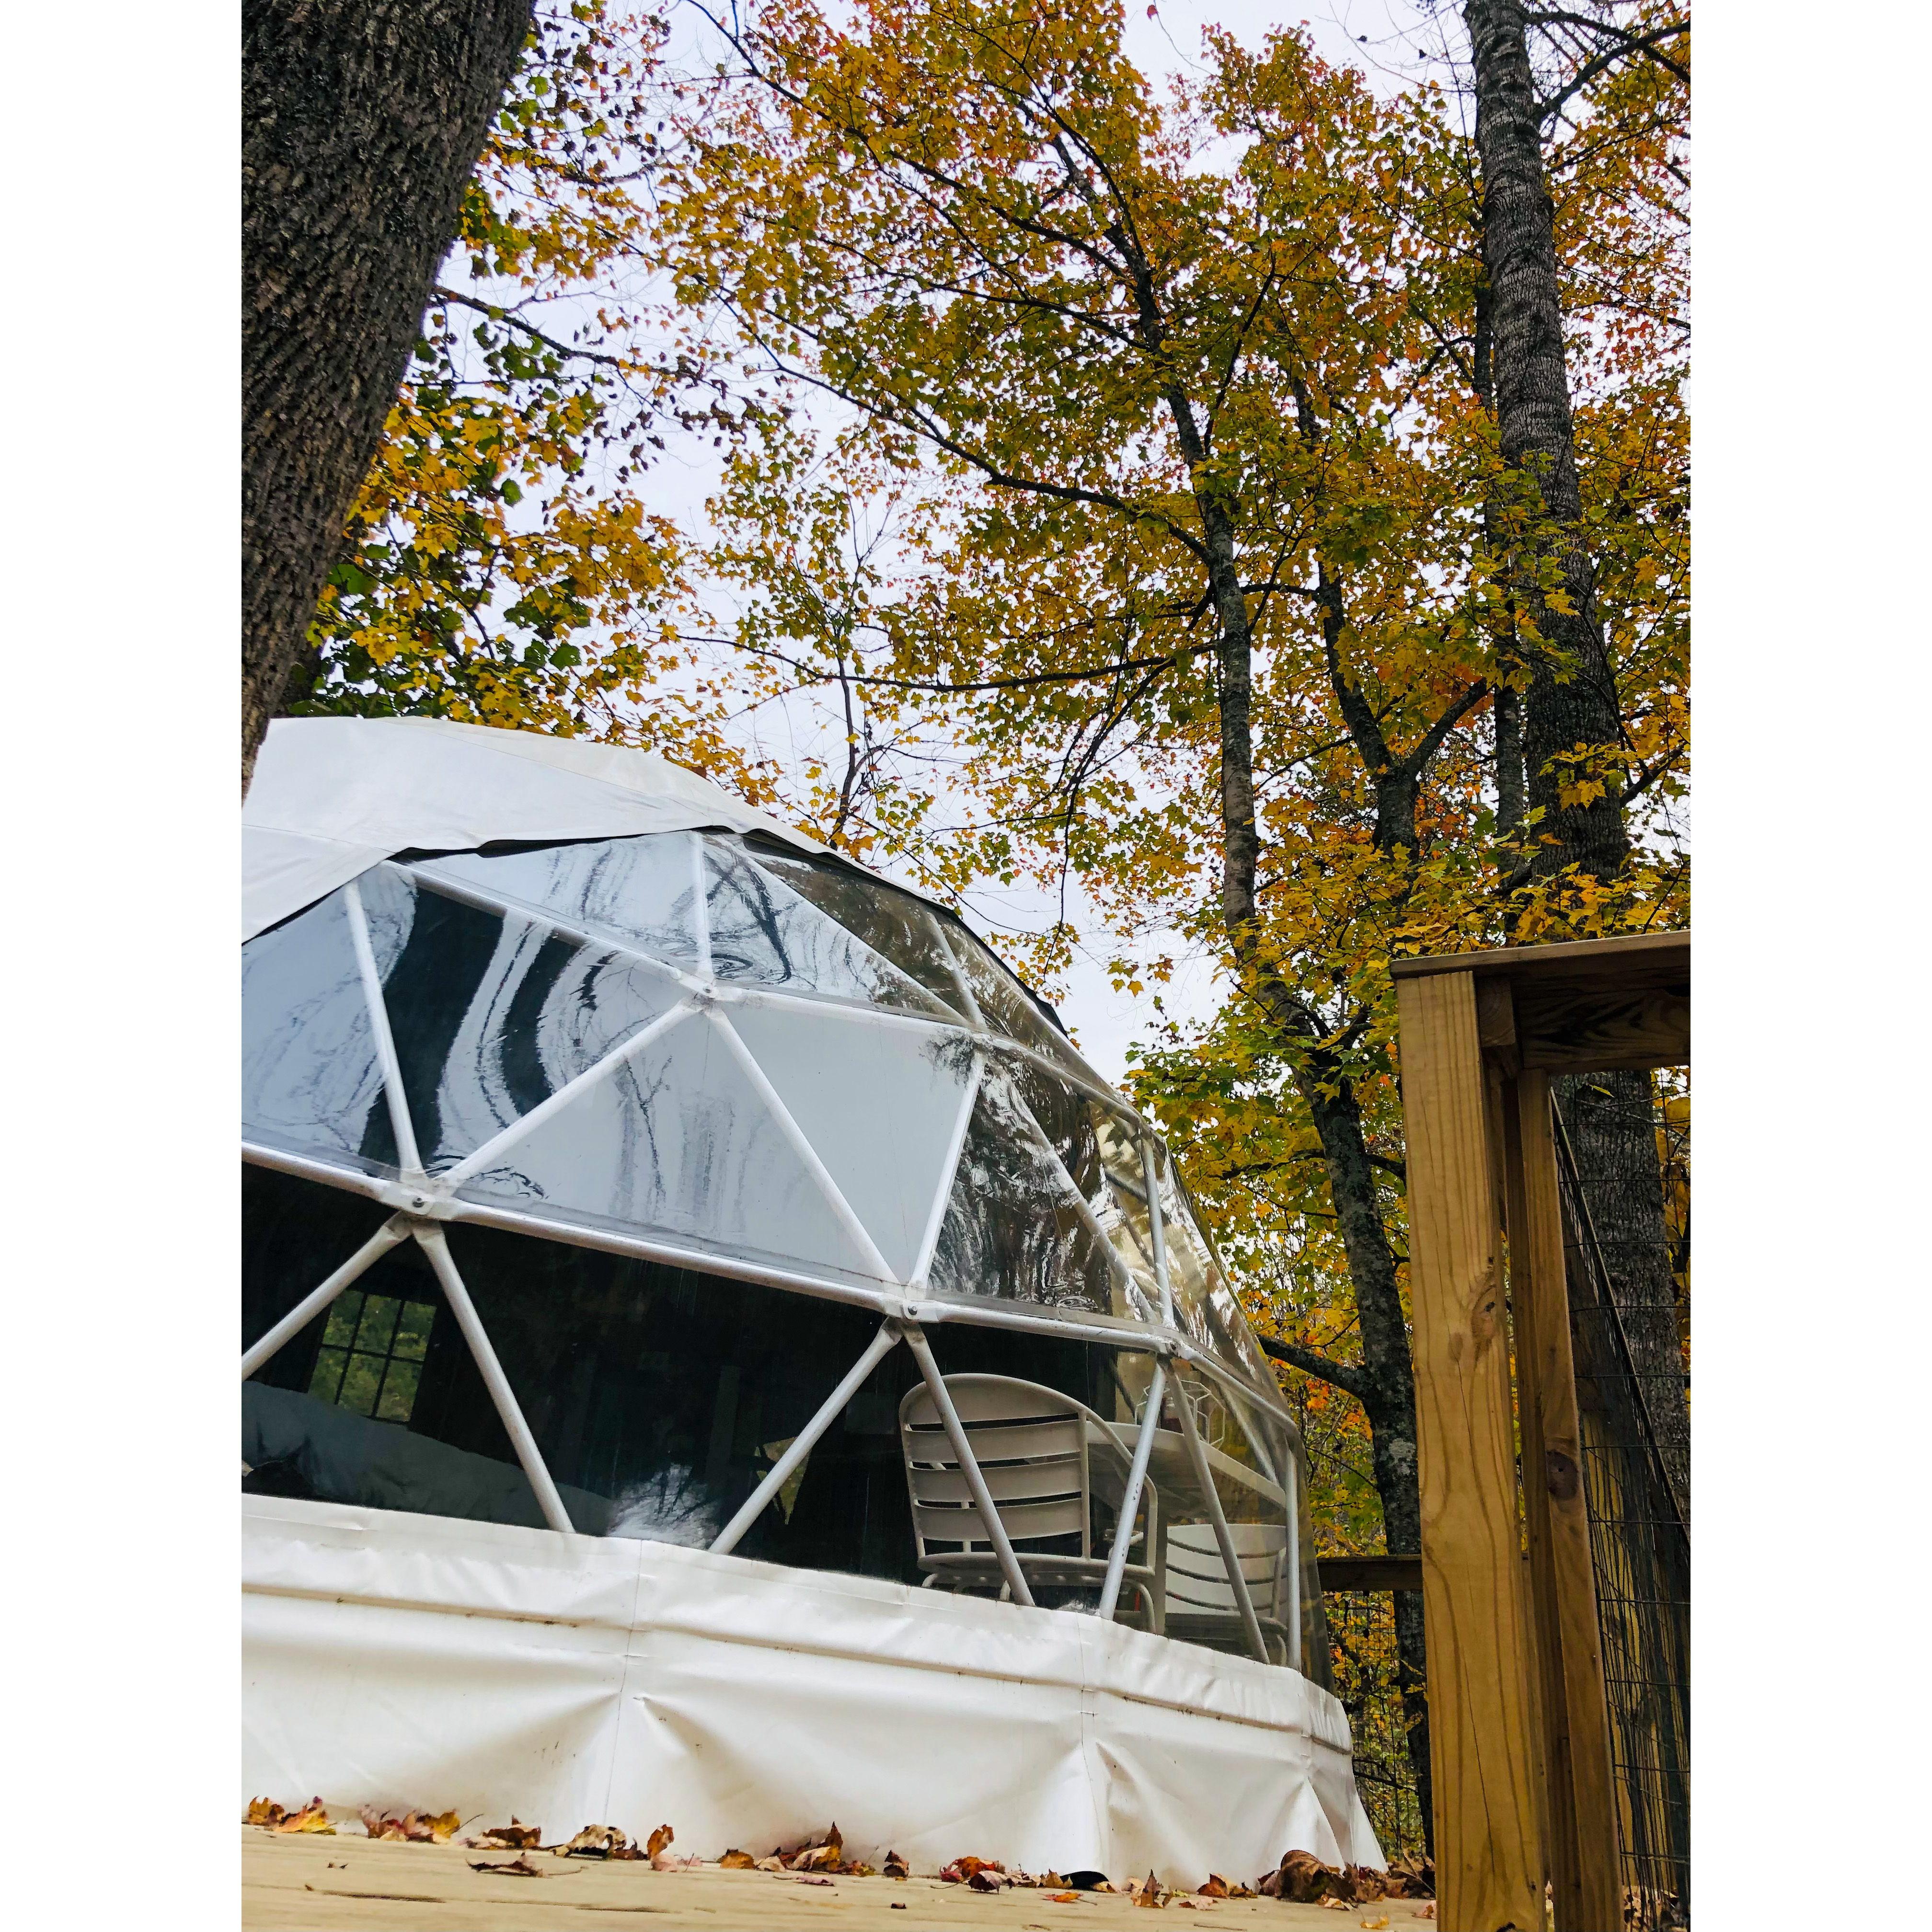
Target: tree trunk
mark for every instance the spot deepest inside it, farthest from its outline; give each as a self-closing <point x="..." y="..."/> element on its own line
<point x="362" y="122"/>
<point x="1571" y="699"/>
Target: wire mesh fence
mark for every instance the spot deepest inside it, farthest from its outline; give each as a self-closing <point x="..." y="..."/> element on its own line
<point x="1641" y="1554"/>
<point x="1362" y="1647"/>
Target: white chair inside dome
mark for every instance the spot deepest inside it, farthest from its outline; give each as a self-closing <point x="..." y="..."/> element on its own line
<point x="1200" y="1606"/>
<point x="1035" y="1449"/>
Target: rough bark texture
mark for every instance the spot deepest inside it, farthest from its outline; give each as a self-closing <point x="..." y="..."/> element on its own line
<point x="361" y="121"/>
<point x="1385" y="1383"/>
<point x="1571" y="698"/>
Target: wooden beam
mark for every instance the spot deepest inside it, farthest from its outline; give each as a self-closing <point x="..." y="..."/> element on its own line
<point x="1370" y="1573"/>
<point x="1596" y="1005"/>
<point x="1582" y="1803"/>
<point x="1591" y="1030"/>
<point x="1489" y="1864"/>
<point x="1632" y="959"/>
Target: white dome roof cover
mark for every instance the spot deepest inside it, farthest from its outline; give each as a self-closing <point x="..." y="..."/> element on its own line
<point x="571" y="989"/>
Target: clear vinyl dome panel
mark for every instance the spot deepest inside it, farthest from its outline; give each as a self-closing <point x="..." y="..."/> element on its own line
<point x="710" y="1047"/>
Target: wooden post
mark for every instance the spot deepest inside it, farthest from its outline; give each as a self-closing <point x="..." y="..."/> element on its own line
<point x="1488" y="1863"/>
<point x="1559" y="1812"/>
<point x="1583" y="1865"/>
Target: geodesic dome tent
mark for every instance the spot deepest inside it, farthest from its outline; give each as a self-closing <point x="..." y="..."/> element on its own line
<point x="604" y="1141"/>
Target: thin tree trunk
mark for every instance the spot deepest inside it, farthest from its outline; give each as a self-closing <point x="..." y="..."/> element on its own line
<point x="1571" y="699"/>
<point x="362" y="122"/>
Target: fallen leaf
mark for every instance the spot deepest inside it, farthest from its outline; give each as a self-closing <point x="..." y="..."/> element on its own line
<point x="1332" y="1904"/>
<point x="825" y="1854"/>
<point x="858" y="1868"/>
<point x="658" y="1840"/>
<point x="985" y="1880"/>
<point x="735" y="1860"/>
<point x="963" y="1871"/>
<point x="513" y="1837"/>
<point x="773" y="1864"/>
<point x="1376" y="1924"/>
<point x="1063" y="1898"/>
<point x="1148" y="1892"/>
<point x="310" y="1818"/>
<point x="1428" y="1911"/>
<point x="518" y="1868"/>
<point x="1303" y="1880"/>
<point x="597" y="1841"/>
<point x="264" y="1811"/>
<point x="896" y="1867"/>
<point x="1366" y="1883"/>
<point x="1216" y="1887"/>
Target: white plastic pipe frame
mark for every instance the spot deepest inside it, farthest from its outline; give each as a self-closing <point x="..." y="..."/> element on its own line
<point x="423" y="1202"/>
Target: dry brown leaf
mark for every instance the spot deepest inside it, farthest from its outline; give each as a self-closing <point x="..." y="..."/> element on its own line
<point x="896" y="1867"/>
<point x="1216" y="1887"/>
<point x="985" y="1880"/>
<point x="518" y="1868"/>
<point x="773" y="1864"/>
<point x="1148" y="1892"/>
<point x="264" y="1811"/>
<point x="1366" y="1883"/>
<point x="311" y="1817"/>
<point x="963" y="1871"/>
<point x="598" y="1841"/>
<point x="735" y="1860"/>
<point x="658" y="1840"/>
<point x="825" y="1854"/>
<point x="513" y="1837"/>
<point x="1305" y="1880"/>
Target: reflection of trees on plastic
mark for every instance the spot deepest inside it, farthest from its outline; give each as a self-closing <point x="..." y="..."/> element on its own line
<point x="671" y="1505"/>
<point x="510" y="975"/>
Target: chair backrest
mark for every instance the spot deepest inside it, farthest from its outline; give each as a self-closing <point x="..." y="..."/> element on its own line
<point x="1197" y="1578"/>
<point x="1030" y="1444"/>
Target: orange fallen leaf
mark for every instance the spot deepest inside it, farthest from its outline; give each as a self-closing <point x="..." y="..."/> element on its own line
<point x="1376" y="1924"/>
<point x="1148" y="1892"/>
<point x="1216" y="1887"/>
<point x="657" y="1841"/>
<point x="735" y="1860"/>
<point x="264" y="1811"/>
<point x="1063" y="1898"/>
<point x="311" y="1817"/>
